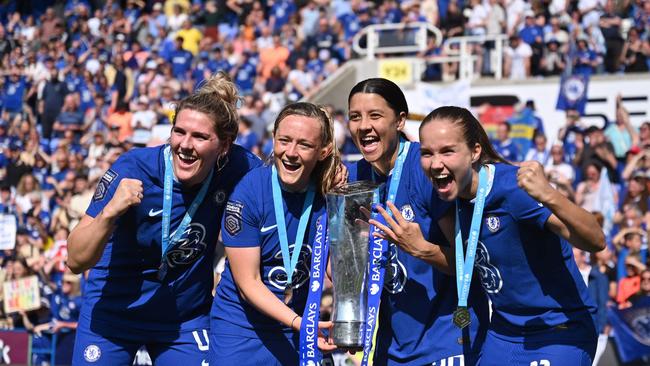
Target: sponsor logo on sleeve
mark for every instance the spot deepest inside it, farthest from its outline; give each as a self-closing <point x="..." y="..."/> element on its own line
<point x="102" y="187"/>
<point x="233" y="217"/>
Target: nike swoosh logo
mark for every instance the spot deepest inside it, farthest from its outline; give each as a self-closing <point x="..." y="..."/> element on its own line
<point x="267" y="228"/>
<point x="153" y="213"/>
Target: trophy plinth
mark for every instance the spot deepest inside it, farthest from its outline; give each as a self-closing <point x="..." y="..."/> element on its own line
<point x="348" y="231"/>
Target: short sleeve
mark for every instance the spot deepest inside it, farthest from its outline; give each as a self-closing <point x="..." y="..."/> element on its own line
<point x="108" y="184"/>
<point x="525" y="209"/>
<point x="240" y="224"/>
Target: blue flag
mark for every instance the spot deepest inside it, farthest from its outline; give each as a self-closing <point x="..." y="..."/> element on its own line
<point x="632" y="330"/>
<point x="573" y="92"/>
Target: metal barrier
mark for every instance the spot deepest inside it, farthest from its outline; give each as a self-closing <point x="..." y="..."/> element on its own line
<point x="464" y="55"/>
<point x="403" y="38"/>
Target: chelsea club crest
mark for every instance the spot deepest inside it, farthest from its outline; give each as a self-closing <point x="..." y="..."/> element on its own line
<point x="493" y="223"/>
<point x="407" y="213"/>
<point x="219" y="197"/>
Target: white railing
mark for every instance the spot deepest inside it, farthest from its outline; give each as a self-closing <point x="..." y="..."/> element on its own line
<point x="415" y="36"/>
<point x="462" y="51"/>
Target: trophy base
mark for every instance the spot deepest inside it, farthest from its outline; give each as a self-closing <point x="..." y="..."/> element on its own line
<point x="348" y="334"/>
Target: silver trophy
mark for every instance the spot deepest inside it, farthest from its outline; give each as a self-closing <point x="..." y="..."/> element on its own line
<point x="348" y="232"/>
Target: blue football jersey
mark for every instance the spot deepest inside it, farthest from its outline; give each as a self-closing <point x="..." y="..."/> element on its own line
<point x="123" y="295"/>
<point x="250" y="222"/>
<point x="527" y="271"/>
<point x="417" y="305"/>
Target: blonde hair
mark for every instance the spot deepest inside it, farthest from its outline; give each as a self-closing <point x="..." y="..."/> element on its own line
<point x="325" y="170"/>
<point x="218" y="98"/>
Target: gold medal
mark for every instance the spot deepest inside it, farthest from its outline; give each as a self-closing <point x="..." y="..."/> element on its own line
<point x="461" y="317"/>
<point x="288" y="293"/>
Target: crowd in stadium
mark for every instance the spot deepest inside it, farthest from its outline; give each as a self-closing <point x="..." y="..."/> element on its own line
<point x="84" y="81"/>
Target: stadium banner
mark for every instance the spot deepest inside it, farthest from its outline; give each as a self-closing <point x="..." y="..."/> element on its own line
<point x="573" y="92"/>
<point x="22" y="294"/>
<point x="632" y="330"/>
<point x="7" y="232"/>
<point x="424" y="98"/>
<point x="15" y="347"/>
<point x="397" y="71"/>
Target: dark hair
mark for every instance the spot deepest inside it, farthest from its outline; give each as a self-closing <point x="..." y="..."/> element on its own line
<point x="217" y="98"/>
<point x="385" y="88"/>
<point x="325" y="170"/>
<point x="473" y="132"/>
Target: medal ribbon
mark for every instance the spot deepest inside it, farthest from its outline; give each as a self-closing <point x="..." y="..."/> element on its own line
<point x="309" y="327"/>
<point x="290" y="260"/>
<point x="378" y="250"/>
<point x="166" y="241"/>
<point x="465" y="266"/>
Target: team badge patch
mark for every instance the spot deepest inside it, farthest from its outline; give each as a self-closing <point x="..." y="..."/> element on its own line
<point x="92" y="353"/>
<point x="102" y="187"/>
<point x="407" y="213"/>
<point x="233" y="220"/>
<point x="219" y="197"/>
<point x="493" y="223"/>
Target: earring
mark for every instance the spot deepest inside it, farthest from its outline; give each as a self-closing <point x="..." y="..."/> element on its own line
<point x="222" y="161"/>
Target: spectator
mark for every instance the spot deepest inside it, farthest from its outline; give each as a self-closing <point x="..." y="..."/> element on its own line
<point x="553" y="61"/>
<point x="121" y="119"/>
<point x="191" y="37"/>
<point x="634" y="53"/>
<point x="644" y="288"/>
<point x="181" y="60"/>
<point x="504" y="145"/>
<point x="598" y="287"/>
<point x="571" y="134"/>
<point x="554" y="33"/>
<point x="51" y="99"/>
<point x="598" y="151"/>
<point x="539" y="151"/>
<point x="586" y="59"/>
<point x="276" y="55"/>
<point x="69" y="119"/>
<point x="15" y="88"/>
<point x="621" y="135"/>
<point x="610" y="25"/>
<point x="300" y="83"/>
<point x="245" y="135"/>
<point x="556" y="168"/>
<point x="142" y="121"/>
<point x="587" y="190"/>
<point x="517" y="59"/>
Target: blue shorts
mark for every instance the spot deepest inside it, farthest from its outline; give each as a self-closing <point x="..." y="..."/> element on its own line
<point x="267" y="350"/>
<point x="188" y="348"/>
<point x="540" y="352"/>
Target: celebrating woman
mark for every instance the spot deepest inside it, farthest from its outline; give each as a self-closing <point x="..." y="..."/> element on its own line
<point x="271" y="231"/>
<point x="517" y="227"/>
<point x="149" y="234"/>
<point x="415" y="317"/>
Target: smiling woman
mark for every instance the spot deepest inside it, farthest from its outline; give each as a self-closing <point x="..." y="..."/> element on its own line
<point x="149" y="235"/>
<point x="270" y="230"/>
<point x="377" y="111"/>
<point x="517" y="228"/>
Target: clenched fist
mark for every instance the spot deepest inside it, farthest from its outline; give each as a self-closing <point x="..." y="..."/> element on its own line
<point x="128" y="193"/>
<point x="532" y="179"/>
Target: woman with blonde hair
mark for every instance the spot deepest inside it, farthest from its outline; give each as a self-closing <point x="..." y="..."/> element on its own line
<point x="149" y="235"/>
<point x="271" y="231"/>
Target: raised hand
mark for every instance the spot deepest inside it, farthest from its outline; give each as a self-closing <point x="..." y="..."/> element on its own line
<point x="128" y="193"/>
<point x="531" y="178"/>
<point x="399" y="231"/>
